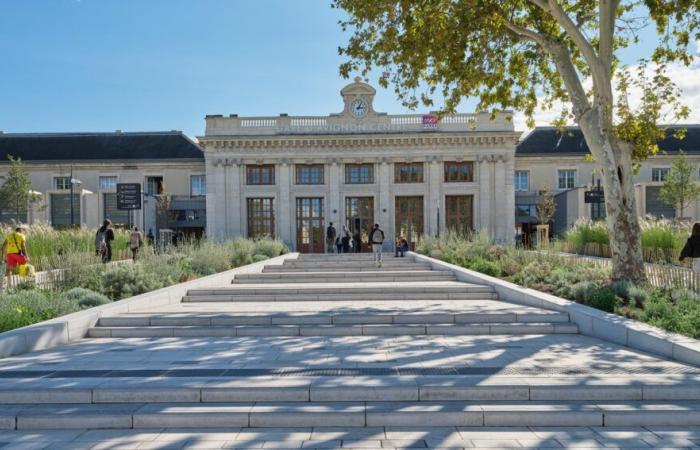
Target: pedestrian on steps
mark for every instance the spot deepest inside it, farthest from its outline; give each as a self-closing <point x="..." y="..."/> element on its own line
<point x="376" y="239"/>
<point x="345" y="240"/>
<point x="692" y="248"/>
<point x="330" y="238"/>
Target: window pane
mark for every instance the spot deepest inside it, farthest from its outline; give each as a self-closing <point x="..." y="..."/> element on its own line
<point x="408" y="172"/>
<point x="61" y="183"/>
<point x="198" y="185"/>
<point x="359" y="173"/>
<point x="260" y="174"/>
<point x="261" y="217"/>
<point x="521" y="180"/>
<point x="108" y="183"/>
<point x="566" y="178"/>
<point x="309" y="173"/>
<point x="459" y="171"/>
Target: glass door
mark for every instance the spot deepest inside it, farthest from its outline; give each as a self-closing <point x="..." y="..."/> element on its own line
<point x="359" y="218"/>
<point x="460" y="213"/>
<point x="310" y="225"/>
<point x="408" y="218"/>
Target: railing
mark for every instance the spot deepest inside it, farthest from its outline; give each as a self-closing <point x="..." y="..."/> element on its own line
<point x="345" y="124"/>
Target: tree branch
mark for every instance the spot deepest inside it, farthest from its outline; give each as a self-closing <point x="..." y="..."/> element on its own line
<point x="525" y="33"/>
<point x="557" y="12"/>
<point x="607" y="11"/>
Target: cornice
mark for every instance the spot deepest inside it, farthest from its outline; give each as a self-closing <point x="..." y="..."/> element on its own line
<point x="223" y="143"/>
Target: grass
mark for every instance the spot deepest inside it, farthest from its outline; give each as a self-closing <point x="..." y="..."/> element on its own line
<point x="48" y="247"/>
<point x="662" y="239"/>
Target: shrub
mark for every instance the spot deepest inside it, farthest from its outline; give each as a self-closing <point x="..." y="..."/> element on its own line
<point x="24" y="308"/>
<point x="270" y="248"/>
<point x="629" y="293"/>
<point x="481" y="265"/>
<point x="126" y="280"/>
<point x="258" y="258"/>
<point x="604" y="299"/>
<point x="85" y="298"/>
<point x="583" y="290"/>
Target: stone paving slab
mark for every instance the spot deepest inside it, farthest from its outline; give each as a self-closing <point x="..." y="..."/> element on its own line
<point x="342" y="437"/>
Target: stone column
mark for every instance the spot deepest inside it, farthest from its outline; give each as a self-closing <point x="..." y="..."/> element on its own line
<point x="384" y="206"/>
<point x="235" y="209"/>
<point x="334" y="198"/>
<point x="435" y="175"/>
<point x="215" y="201"/>
<point x="501" y="199"/>
<point x="485" y="193"/>
<point x="283" y="208"/>
<point x="509" y="218"/>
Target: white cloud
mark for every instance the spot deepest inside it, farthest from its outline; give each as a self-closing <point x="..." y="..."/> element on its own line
<point x="686" y="78"/>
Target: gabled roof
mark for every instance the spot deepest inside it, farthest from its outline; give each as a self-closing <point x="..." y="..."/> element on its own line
<point x="166" y="145"/>
<point x="570" y="141"/>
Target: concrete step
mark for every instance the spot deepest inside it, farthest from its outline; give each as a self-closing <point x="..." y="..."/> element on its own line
<point x="198" y="297"/>
<point x="376" y="276"/>
<point x="334" y="330"/>
<point x="386" y="262"/>
<point x="347" y="257"/>
<point x="340" y="268"/>
<point x="342" y="318"/>
<point x="471" y="388"/>
<point x="350" y="414"/>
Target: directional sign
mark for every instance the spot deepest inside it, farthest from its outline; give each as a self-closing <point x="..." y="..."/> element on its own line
<point x="594" y="196"/>
<point x="128" y="196"/>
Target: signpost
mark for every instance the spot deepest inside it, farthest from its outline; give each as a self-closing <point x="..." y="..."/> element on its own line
<point x="596" y="197"/>
<point x="129" y="197"/>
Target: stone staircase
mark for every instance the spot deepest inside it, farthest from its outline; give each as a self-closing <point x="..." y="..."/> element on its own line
<point x="332" y="341"/>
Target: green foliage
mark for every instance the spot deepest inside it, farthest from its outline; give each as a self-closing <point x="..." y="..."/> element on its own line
<point x="604" y="299"/>
<point x="85" y="298"/>
<point x="22" y="308"/>
<point x="680" y="187"/>
<point x="127" y="280"/>
<point x="16" y="194"/>
<point x="673" y="310"/>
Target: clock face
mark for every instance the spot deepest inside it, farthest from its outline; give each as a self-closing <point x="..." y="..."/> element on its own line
<point x="359" y="108"/>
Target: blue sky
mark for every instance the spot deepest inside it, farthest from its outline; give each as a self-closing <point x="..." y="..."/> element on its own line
<point x="101" y="65"/>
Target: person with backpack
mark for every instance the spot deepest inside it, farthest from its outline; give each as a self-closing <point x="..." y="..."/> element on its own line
<point x="691" y="249"/>
<point x="330" y="238"/>
<point x="103" y="241"/>
<point x="14" y="250"/>
<point x="135" y="242"/>
<point x="376" y="239"/>
<point x="345" y="240"/>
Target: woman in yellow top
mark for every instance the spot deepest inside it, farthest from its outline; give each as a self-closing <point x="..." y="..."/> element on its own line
<point x="14" y="249"/>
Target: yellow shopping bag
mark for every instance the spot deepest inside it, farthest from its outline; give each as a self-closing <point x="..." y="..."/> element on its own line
<point x="26" y="270"/>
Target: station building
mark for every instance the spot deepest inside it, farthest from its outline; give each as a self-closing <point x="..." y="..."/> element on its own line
<point x="93" y="163"/>
<point x="290" y="176"/>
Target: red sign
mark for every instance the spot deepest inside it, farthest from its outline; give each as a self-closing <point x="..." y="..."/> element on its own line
<point x="430" y="121"/>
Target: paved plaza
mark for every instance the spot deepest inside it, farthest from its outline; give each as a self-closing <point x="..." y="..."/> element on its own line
<point x="328" y="351"/>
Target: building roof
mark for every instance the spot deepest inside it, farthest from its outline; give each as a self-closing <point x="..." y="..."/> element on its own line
<point x="570" y="141"/>
<point x="166" y="145"/>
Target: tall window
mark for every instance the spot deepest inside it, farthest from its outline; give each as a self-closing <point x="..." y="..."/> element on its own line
<point x="108" y="183"/>
<point x="459" y="171"/>
<point x="261" y="174"/>
<point x="154" y="185"/>
<point x="566" y="178"/>
<point x="460" y="213"/>
<point x="61" y="183"/>
<point x="521" y="180"/>
<point x="408" y="172"/>
<point x="359" y="174"/>
<point x="198" y="185"/>
<point x="261" y="217"/>
<point x="659" y="173"/>
<point x="309" y="173"/>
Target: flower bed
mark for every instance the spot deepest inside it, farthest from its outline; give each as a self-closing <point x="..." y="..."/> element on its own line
<point x="676" y="310"/>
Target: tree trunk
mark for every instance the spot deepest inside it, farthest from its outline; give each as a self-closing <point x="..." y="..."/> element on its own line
<point x="615" y="161"/>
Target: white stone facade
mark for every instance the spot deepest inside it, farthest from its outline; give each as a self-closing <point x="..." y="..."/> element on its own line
<point x="360" y="135"/>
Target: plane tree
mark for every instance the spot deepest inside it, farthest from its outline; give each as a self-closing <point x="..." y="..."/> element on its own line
<point x="532" y="54"/>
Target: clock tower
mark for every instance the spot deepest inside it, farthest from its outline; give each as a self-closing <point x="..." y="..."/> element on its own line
<point x="357" y="98"/>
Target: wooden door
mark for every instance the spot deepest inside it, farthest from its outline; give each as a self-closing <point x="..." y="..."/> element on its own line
<point x="408" y="218"/>
<point x="310" y="235"/>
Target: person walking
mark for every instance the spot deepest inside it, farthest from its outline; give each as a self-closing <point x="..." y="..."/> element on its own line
<point x="357" y="242"/>
<point x="401" y="247"/>
<point x="691" y="249"/>
<point x="345" y="240"/>
<point x="338" y="245"/>
<point x="376" y="239"/>
<point x="135" y="242"/>
<point x="330" y="238"/>
<point x="14" y="250"/>
<point x="103" y="241"/>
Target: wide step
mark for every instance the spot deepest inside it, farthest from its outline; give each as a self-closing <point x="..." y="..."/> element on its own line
<point x="350" y="414"/>
<point x="376" y="276"/>
<point x="336" y="330"/>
